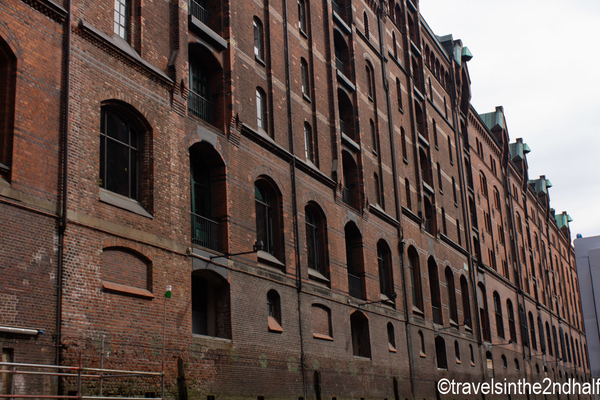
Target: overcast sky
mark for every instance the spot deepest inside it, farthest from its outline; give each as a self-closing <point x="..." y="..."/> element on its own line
<point x="538" y="59"/>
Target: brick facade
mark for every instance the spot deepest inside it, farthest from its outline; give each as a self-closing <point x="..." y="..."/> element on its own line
<point x="339" y="135"/>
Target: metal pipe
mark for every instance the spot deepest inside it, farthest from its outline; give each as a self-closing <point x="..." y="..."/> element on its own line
<point x="22" y="331"/>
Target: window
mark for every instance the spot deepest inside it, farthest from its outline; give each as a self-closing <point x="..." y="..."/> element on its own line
<point x="316" y="243"/>
<point x="457" y="351"/>
<point x="444" y="225"/>
<point x="450" y="149"/>
<point x="366" y="22"/>
<point x="555" y="339"/>
<point x="126" y="267"/>
<point x="422" y="339"/>
<point x="549" y="339"/>
<point x="440" y="353"/>
<point x="466" y="302"/>
<point x="122" y="22"/>
<point x="259" y="51"/>
<point x="210" y="304"/>
<point x="350" y="194"/>
<point x="434" y="289"/>
<point x="391" y="337"/>
<point x="274" y="311"/>
<point x="268" y="217"/>
<point x="377" y="184"/>
<point x="384" y="260"/>
<point x="504" y="361"/>
<point x="395" y="44"/>
<point x="373" y="135"/>
<point x="511" y="321"/>
<point x="498" y="312"/>
<point x="8" y="64"/>
<point x="309" y="152"/>
<point x="483" y="312"/>
<point x="407" y="189"/>
<point x="472" y="354"/>
<point x="120" y="154"/>
<point x="403" y="138"/>
<point x="454" y="197"/>
<point x="369" y="80"/>
<point x="458" y="235"/>
<point x="429" y="217"/>
<point x="302" y="16"/>
<point x="305" y="78"/>
<point x="439" y="173"/>
<point x="483" y="182"/>
<point x="321" y="319"/>
<point x="399" y="94"/>
<point x="497" y="203"/>
<point x="415" y="279"/>
<point x="354" y="261"/>
<point x="435" y="134"/>
<point x="532" y="331"/>
<point x="451" y="296"/>
<point x="261" y="109"/>
<point x="361" y="342"/>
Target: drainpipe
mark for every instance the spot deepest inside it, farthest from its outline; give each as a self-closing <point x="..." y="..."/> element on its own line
<point x="294" y="193"/>
<point x="395" y="175"/>
<point x="63" y="213"/>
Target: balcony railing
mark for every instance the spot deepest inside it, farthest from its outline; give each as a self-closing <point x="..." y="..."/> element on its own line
<point x="355" y="286"/>
<point x="340" y="65"/>
<point x="206" y="233"/>
<point x="343" y="128"/>
<point x="199" y="12"/>
<point x="347" y="196"/>
<point x="200" y="107"/>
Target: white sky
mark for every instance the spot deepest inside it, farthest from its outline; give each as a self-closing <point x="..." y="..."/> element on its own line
<point x="540" y="60"/>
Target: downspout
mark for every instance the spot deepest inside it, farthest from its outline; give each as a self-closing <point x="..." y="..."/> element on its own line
<point x="398" y="210"/>
<point x="63" y="213"/>
<point x="294" y="193"/>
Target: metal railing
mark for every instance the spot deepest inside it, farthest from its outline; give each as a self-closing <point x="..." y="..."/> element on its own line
<point x="355" y="286"/>
<point x="80" y="373"/>
<point x="340" y="65"/>
<point x="347" y="196"/>
<point x="199" y="12"/>
<point x="206" y="232"/>
<point x="200" y="107"/>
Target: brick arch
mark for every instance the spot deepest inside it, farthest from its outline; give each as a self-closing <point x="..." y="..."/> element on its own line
<point x="203" y="135"/>
<point x="352" y="218"/>
<point x="140" y="249"/>
<point x="314" y="198"/>
<point x="266" y="171"/>
<point x="10" y="39"/>
<point x="138" y="106"/>
<point x="126" y="266"/>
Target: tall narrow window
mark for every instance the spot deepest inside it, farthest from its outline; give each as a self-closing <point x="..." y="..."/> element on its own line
<point x="407" y="188"/>
<point x="373" y="135"/>
<point x="354" y="261"/>
<point x="440" y="353"/>
<point x="8" y="63"/>
<point x="384" y="260"/>
<point x="391" y="337"/>
<point x="395" y="44"/>
<point x="457" y="350"/>
<point x="121" y="22"/>
<point x="466" y="302"/>
<point x="483" y="313"/>
<point x="434" y="290"/>
<point x="308" y="143"/>
<point x="274" y="311"/>
<point x="377" y="184"/>
<point x="403" y="138"/>
<point x="361" y="342"/>
<point x="261" y="109"/>
<point x="451" y="296"/>
<point x="305" y="78"/>
<point x="120" y="154"/>
<point x="511" y="321"/>
<point x="444" y="225"/>
<point x="366" y="22"/>
<point x="498" y="312"/>
<point x="259" y="51"/>
<point x="399" y="94"/>
<point x="316" y="241"/>
<point x="435" y="134"/>
<point x="532" y="331"/>
<point x="267" y="217"/>
<point x="415" y="279"/>
<point x="302" y="16"/>
<point x="369" y="81"/>
<point x="439" y="173"/>
<point x="549" y="339"/>
<point x="450" y="150"/>
<point x="454" y="197"/>
<point x="210" y="304"/>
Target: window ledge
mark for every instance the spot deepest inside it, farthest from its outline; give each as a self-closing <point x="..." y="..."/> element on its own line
<point x="127" y="290"/>
<point x="417" y="311"/>
<point x="123" y="202"/>
<point x="322" y="337"/>
<point x="314" y="274"/>
<point x="458" y="361"/>
<point x="124" y="49"/>
<point x="269" y="259"/>
<point x="422" y="355"/>
<point x="274" y="325"/>
<point x="392" y="348"/>
<point x="259" y="60"/>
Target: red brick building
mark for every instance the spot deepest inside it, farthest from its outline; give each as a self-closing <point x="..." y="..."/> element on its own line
<point x="389" y="233"/>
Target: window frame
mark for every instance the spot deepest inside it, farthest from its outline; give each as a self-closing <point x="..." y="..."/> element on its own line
<point x="122" y="19"/>
<point x="259" y="40"/>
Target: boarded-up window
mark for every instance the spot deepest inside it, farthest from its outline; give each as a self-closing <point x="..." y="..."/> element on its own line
<point x="123" y="266"/>
<point x="321" y="319"/>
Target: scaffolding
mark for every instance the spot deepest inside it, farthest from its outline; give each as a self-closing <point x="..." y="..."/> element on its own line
<point x="80" y="373"/>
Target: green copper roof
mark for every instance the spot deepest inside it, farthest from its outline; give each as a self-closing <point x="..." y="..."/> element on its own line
<point x="466" y="54"/>
<point x="563" y="219"/>
<point x="540" y="185"/>
<point x="494" y="119"/>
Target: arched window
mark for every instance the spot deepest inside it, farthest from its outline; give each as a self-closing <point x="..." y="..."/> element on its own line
<point x="517" y="366"/>
<point x="350" y="191"/>
<point x="439" y="174"/>
<point x="549" y="339"/>
<point x="483" y="312"/>
<point x="370" y="83"/>
<point x="434" y="289"/>
<point x="415" y="279"/>
<point x="408" y="193"/>
<point x="398" y="17"/>
<point x="274" y="311"/>
<point x="259" y="48"/>
<point x="454" y="197"/>
<point x="268" y="219"/>
<point x="261" y="109"/>
<point x="451" y="296"/>
<point x="206" y="85"/>
<point x="210" y="304"/>
<point x="483" y="182"/>
<point x="490" y="363"/>
<point x="498" y="312"/>
<point x="354" y="261"/>
<point x="321" y="319"/>
<point x="555" y="339"/>
<point x="403" y="139"/>
<point x="395" y="45"/>
<point x="373" y="135"/>
<point x="466" y="303"/>
<point x="472" y="354"/>
<point x="541" y="333"/>
<point x="444" y="225"/>
<point x="377" y="184"/>
<point x="429" y="217"/>
<point x="391" y="337"/>
<point x="305" y="78"/>
<point x="497" y="203"/>
<point x="440" y="353"/>
<point x="8" y="73"/>
<point x="361" y="342"/>
<point x="123" y="157"/>
<point x="422" y="340"/>
<point x="399" y="95"/>
<point x="366" y="22"/>
<point x="532" y="331"/>
<point x="511" y="321"/>
<point x="316" y="242"/>
<point x="384" y="260"/>
<point x="504" y="362"/>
